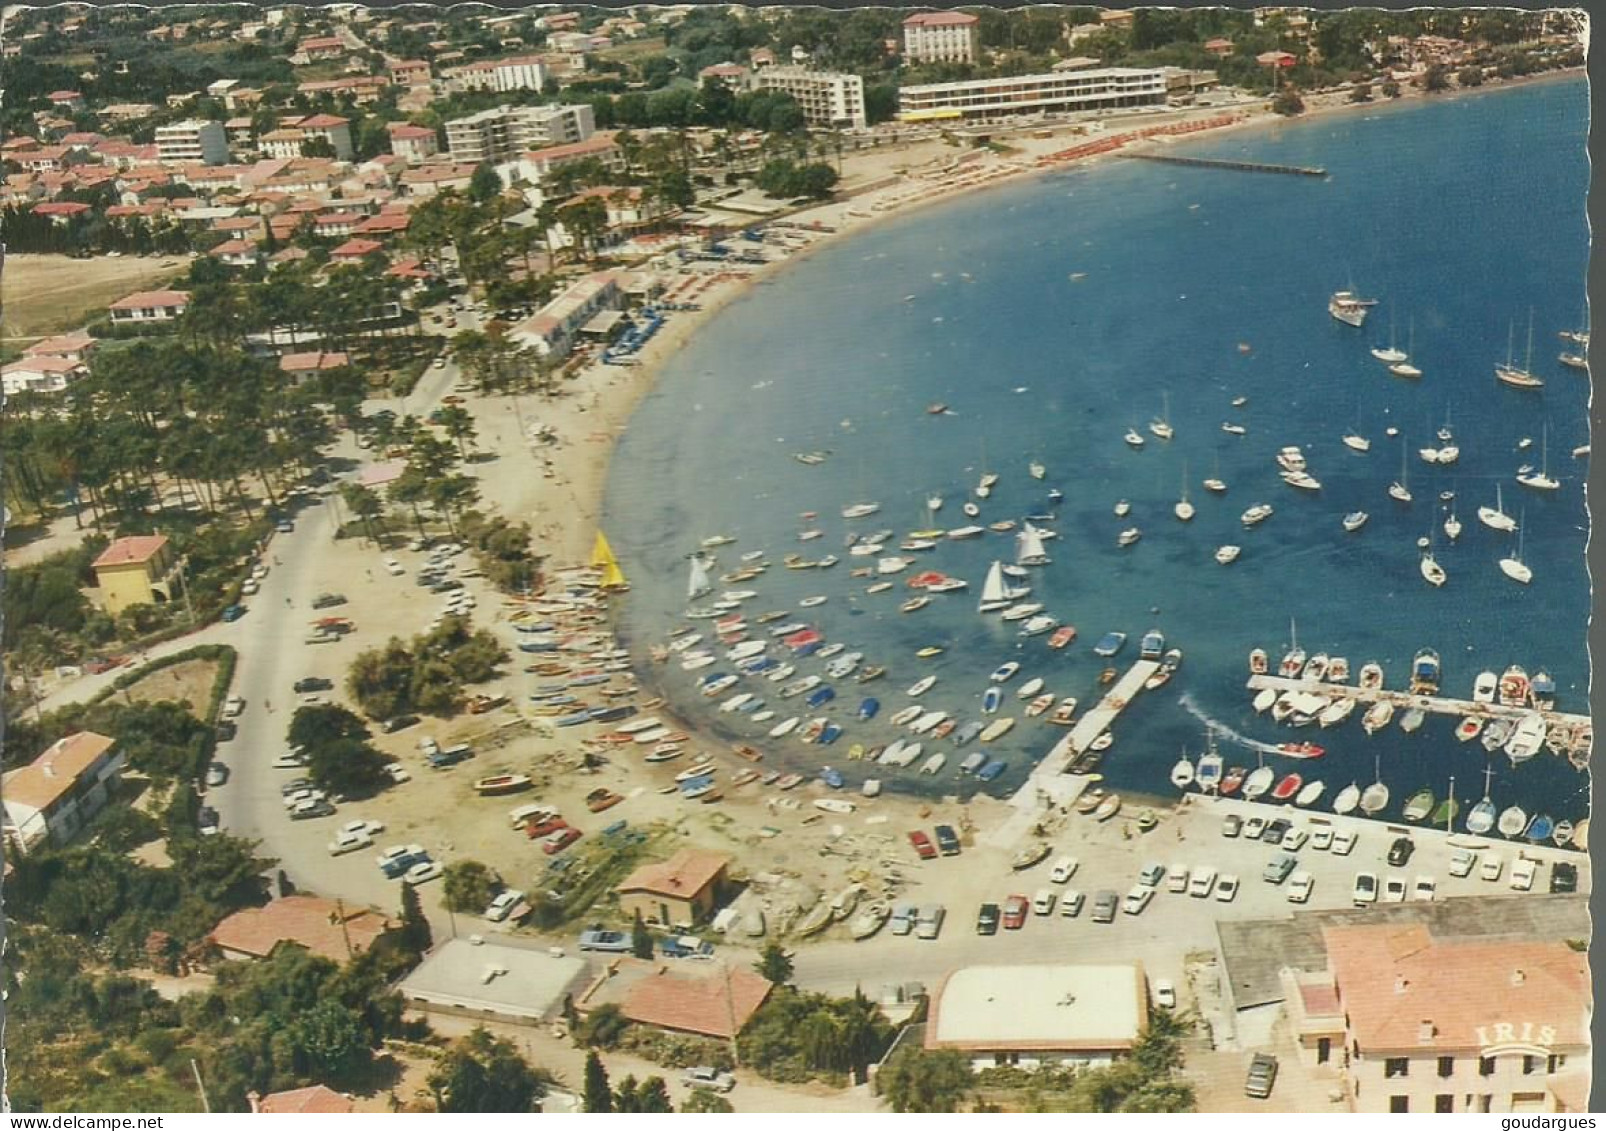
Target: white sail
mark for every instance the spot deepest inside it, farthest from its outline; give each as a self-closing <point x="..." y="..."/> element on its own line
<point x="1030" y="547"/>
<point x="699" y="583"/>
<point x="993" y="589"/>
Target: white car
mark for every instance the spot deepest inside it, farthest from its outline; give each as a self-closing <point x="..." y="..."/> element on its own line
<point x="1294" y="839"/>
<point x="233" y="706"/>
<point x="1253" y="827"/>
<point x="1151" y="875"/>
<point x="361" y="828"/>
<point x="423" y="873"/>
<point x="398" y="773"/>
<point x="1202" y="882"/>
<point x="1393" y="890"/>
<point x="428" y="746"/>
<point x="249" y="587"/>
<point x="1522" y="875"/>
<point x="1424" y="889"/>
<point x="1226" y="889"/>
<point x="1365" y="890"/>
<point x="502" y="906"/>
<point x="1176" y="878"/>
<point x="289" y="762"/>
<point x="1462" y="863"/>
<point x="1064" y="868"/>
<point x="301" y="795"/>
<point x="397" y="851"/>
<point x="259" y="571"/>
<point x="394" y="567"/>
<point x="1343" y="843"/>
<point x="1137" y="899"/>
<point x="343" y="844"/>
<point x="1165" y="994"/>
<point x="1491" y="868"/>
<point x="1071" y="905"/>
<point x="1299" y="887"/>
<point x="1321" y="840"/>
<point x="1043" y="901"/>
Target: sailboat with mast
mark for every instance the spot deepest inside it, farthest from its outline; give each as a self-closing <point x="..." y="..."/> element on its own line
<point x="1216" y="484"/>
<point x="699" y="585"/>
<point x="1540" y="480"/>
<point x="1403" y="367"/>
<point x="1029" y="547"/>
<point x="1391" y="355"/>
<point x="1375" y="797"/>
<point x="1432" y="572"/>
<point x="1509" y="374"/>
<point x="1514" y="567"/>
<point x="1495" y="518"/>
<point x="1184" y="509"/>
<point x="1353" y="440"/>
<point x="1161" y="425"/>
<point x="1400" y="489"/>
<point x="1482" y="817"/>
<point x="1452" y="524"/>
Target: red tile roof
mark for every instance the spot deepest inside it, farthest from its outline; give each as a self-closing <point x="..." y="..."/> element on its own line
<point x="61" y="344"/>
<point x="307" y="362"/>
<point x="939" y="19"/>
<point x="303" y="919"/>
<point x="49" y="776"/>
<point x="140" y="300"/>
<point x="1394" y="980"/>
<point x="356" y="249"/>
<point x="131" y="551"/>
<point x="408" y="132"/>
<point x="316" y="1100"/>
<point x="683" y="875"/>
<point x="322" y="122"/>
<point x="707" y="1001"/>
<point x="61" y="208"/>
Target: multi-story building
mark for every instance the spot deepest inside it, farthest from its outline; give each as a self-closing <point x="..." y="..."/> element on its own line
<point x="503" y="132"/>
<point x="528" y="72"/>
<point x="941" y="37"/>
<point x="1105" y="89"/>
<point x="319" y="49"/>
<point x="414" y="143"/>
<point x="537" y="165"/>
<point x="48" y="800"/>
<point x="192" y="143"/>
<point x="828" y="99"/>
<point x="138" y="570"/>
<point x="1455" y="1024"/>
<point x="331" y="128"/>
<point x="410" y="72"/>
<point x="552" y="331"/>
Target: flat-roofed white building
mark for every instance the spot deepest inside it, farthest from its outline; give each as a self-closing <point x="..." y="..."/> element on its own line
<point x="1040" y="1016"/>
<point x="497" y="978"/>
<point x="501" y="133"/>
<point x="526" y="73"/>
<point x="192" y="143"/>
<point x="1107" y="88"/>
<point x="941" y="37"/>
<point x="828" y="99"/>
<point x="552" y="330"/>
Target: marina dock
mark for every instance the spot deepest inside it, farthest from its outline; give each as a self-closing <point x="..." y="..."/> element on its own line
<point x="1049" y="777"/>
<point x="1431" y="704"/>
<point x="1240" y="166"/>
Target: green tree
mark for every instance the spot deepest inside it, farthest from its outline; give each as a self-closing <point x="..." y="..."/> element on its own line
<point x="1391" y="89"/>
<point x="1288" y="103"/>
<point x="415" y="930"/>
<point x="920" y="1081"/>
<point x="482" y="1073"/>
<point x="1361" y="92"/>
<point x="468" y="886"/>
<point x="707" y="1100"/>
<point x="603" y="1027"/>
<point x="648" y="1096"/>
<point x="459" y="425"/>
<point x="1436" y="79"/>
<point x="1470" y="76"/>
<point x="598" y="1095"/>
<point x="484" y="185"/>
<point x="774" y="963"/>
<point x="323" y="723"/>
<point x="346" y="766"/>
<point x="640" y="937"/>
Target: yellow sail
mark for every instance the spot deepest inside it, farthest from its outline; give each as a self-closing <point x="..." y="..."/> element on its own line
<point x="602" y="558"/>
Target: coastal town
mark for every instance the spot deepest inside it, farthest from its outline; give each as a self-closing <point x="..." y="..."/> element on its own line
<point x="336" y="776"/>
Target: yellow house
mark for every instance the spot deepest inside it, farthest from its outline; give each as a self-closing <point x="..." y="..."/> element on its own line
<point x="136" y="571"/>
<point x="680" y="890"/>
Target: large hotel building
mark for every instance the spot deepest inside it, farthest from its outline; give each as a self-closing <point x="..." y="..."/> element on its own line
<point x="502" y="133"/>
<point x="1107" y="88"/>
<point x="828" y="99"/>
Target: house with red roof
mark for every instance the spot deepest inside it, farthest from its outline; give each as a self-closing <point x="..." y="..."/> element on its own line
<point x="40" y="373"/>
<point x="682" y="997"/>
<point x="237" y="253"/>
<point x="299" y="367"/>
<point x="138" y="570"/>
<point x="60" y="211"/>
<point x="326" y="927"/>
<point x="66" y="99"/>
<point x="150" y="306"/>
<point x="416" y="143"/>
<point x="51" y="798"/>
<point x="331" y="128"/>
<point x="319" y="49"/>
<point x="316" y="1100"/>
<point x="680" y="890"/>
<point x="942" y="37"/>
<point x="355" y="249"/>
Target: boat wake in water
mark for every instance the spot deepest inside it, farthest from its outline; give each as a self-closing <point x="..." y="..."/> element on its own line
<point x="1222" y="730"/>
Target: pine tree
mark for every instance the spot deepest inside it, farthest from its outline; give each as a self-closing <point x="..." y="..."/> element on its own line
<point x="640" y="938"/>
<point x="415" y="927"/>
<point x="598" y="1096"/>
<point x="773" y="964"/>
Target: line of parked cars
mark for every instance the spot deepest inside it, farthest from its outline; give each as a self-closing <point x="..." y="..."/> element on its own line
<point x="924" y="922"/>
<point x="947" y="842"/>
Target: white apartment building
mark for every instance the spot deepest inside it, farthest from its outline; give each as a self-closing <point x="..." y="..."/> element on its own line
<point x="52" y="797"/>
<point x="503" y="132"/>
<point x="828" y="99"/>
<point x="528" y="72"/>
<point x="192" y="143"/>
<point x="1105" y="89"/>
<point x="1446" y="1025"/>
<point x="552" y="330"/>
<point x="941" y="37"/>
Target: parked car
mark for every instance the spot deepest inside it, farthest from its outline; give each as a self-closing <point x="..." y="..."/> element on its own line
<point x="1226" y="889"/>
<point x="1322" y="839"/>
<point x="538" y="830"/>
<point x="1299" y="887"/>
<point x="1137" y="899"/>
<point x="397" y="772"/>
<point x="1202" y="881"/>
<point x="217" y="773"/>
<point x="987" y="919"/>
<point x="1071" y="904"/>
<point x="250" y="587"/>
<point x="1231" y="825"/>
<point x="1262" y="1076"/>
<point x="922" y="845"/>
<point x="1279" y="868"/>
<point x="233" y="613"/>
<point x="1164" y="993"/>
<point x="422" y="872"/>
<point x="328" y="600"/>
<point x="1294" y="840"/>
<point x="1393" y="889"/>
<point x="1563" y="877"/>
<point x="1254" y="827"/>
<point x="285" y="526"/>
<point x="1400" y="851"/>
<point x="1105" y="904"/>
<point x="1043" y="901"/>
<point x="233" y="706"/>
<point x="1523" y="873"/>
<point x="1015" y="908"/>
<point x="207" y="821"/>
<point x="400" y="722"/>
<point x="1344" y="842"/>
<point x="1365" y="891"/>
<point x="560" y="841"/>
<point x="928" y="923"/>
<point x="310" y="810"/>
<point x="312" y="683"/>
<point x="1275" y="830"/>
<point x="1064" y="868"/>
<point x="1176" y="879"/>
<point x="947" y="840"/>
<point x="362" y="827"/>
<point x="396" y="859"/>
<point x="1462" y="862"/>
<point x="610" y="942"/>
<point x="685" y="946"/>
<point x="291" y="761"/>
<point x="704" y="1077"/>
<point x="903" y="918"/>
<point x="394" y="567"/>
<point x="1425" y="888"/>
<point x="343" y="843"/>
<point x="1491" y="868"/>
<point x="1151" y="875"/>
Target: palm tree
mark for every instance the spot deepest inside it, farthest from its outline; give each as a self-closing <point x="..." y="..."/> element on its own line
<point x="365" y="504"/>
<point x="459" y="425"/>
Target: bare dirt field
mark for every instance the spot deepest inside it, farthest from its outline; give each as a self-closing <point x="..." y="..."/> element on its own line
<point x="46" y="294"/>
<point x="189" y="682"/>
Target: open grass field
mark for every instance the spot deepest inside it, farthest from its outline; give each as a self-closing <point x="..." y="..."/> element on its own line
<point x="189" y="682"/>
<point x="47" y="294"/>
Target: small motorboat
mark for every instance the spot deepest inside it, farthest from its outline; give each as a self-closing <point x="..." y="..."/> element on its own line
<point x="1301" y="750"/>
<point x="1108" y="808"/>
<point x="1310" y="793"/>
<point x="1039" y="705"/>
<point x="1287" y="788"/>
<point x="922" y="686"/>
<point x="1258" y="662"/>
<point x="1065" y="713"/>
<point x="1258" y="782"/>
<point x="1062" y="637"/>
<point x="1005" y="672"/>
<point x="1104" y="741"/>
<point x="1348" y="798"/>
<point x="1232" y="781"/>
<point x="1418" y="805"/>
<point x="1182" y="773"/>
<point x="991" y="700"/>
<point x="869" y="921"/>
<point x="996" y="729"/>
<point x="501" y="783"/>
<point x="1226" y="555"/>
<point x="1469" y="728"/>
<point x="1032" y="854"/>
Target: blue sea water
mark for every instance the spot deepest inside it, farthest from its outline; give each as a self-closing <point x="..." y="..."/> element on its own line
<point x="1052" y="315"/>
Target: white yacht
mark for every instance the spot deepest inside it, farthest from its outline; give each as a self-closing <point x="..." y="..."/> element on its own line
<point x="1355" y="520"/>
<point x="1226" y="555"/>
<point x="1432" y="571"/>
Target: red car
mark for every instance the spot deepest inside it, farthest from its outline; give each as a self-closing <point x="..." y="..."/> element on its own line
<point x="1015" y="908"/>
<point x="923" y="846"/>
<point x="545" y="828"/>
<point x="561" y="841"/>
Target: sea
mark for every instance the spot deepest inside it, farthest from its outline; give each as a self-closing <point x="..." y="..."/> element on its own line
<point x="1053" y="314"/>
